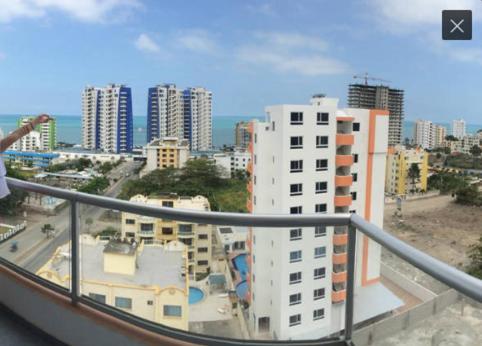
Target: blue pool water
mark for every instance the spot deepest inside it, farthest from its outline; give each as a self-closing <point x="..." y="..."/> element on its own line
<point x="241" y="266"/>
<point x="242" y="289"/>
<point x="195" y="295"/>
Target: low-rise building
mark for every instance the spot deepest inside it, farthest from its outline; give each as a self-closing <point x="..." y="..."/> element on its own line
<point x="399" y="161"/>
<point x="232" y="161"/>
<point x="146" y="281"/>
<point x="167" y="152"/>
<point x="197" y="237"/>
<point x="29" y="158"/>
<point x="233" y="239"/>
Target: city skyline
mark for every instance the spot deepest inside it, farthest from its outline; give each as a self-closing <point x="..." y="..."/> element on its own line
<point x="224" y="54"/>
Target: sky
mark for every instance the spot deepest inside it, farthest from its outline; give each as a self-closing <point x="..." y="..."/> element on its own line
<point x="249" y="53"/>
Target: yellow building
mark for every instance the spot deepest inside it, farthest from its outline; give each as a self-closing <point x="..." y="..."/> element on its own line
<point x="399" y="161"/>
<point x="146" y="281"/>
<point x="168" y="152"/>
<point x="197" y="237"/>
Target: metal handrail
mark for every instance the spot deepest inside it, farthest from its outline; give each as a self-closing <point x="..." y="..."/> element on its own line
<point x="448" y="275"/>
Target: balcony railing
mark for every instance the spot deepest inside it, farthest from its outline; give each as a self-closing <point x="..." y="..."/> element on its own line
<point x="443" y="272"/>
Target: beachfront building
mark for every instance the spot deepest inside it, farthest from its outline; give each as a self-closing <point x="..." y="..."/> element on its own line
<point x="400" y="180"/>
<point x="184" y="114"/>
<point x="380" y="97"/>
<point x="428" y="135"/>
<point x="241" y="134"/>
<point x="232" y="161"/>
<point x="107" y="119"/>
<point x="440" y="134"/>
<point x="167" y="152"/>
<point x="465" y="144"/>
<point x="146" y="281"/>
<point x="42" y="138"/>
<point x="314" y="158"/>
<point x="197" y="237"/>
<point x="29" y="158"/>
<point x="458" y="128"/>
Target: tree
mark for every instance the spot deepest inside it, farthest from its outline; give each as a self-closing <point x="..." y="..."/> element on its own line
<point x="475" y="150"/>
<point x="451" y="138"/>
<point x="10" y="205"/>
<point x="95" y="186"/>
<point x="469" y="195"/>
<point x="414" y="174"/>
<point x="475" y="255"/>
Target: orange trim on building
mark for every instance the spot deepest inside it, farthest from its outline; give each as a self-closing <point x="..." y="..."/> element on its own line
<point x="343" y="201"/>
<point x="340" y="239"/>
<point x="250" y="147"/>
<point x="343" y="180"/>
<point x="249" y="167"/>
<point x="368" y="194"/>
<point x="343" y="160"/>
<point x="339" y="258"/>
<point x="338" y="296"/>
<point x="249" y="187"/>
<point x="249" y="206"/>
<point x="338" y="277"/>
<point x="345" y="118"/>
<point x="345" y="139"/>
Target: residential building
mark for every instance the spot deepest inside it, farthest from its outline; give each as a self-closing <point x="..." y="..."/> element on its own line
<point x="428" y="135"/>
<point x="380" y="97"/>
<point x="233" y="239"/>
<point x="107" y="119"/>
<point x="314" y="158"/>
<point x="440" y="134"/>
<point x="145" y="280"/>
<point x="197" y="237"/>
<point x="465" y="144"/>
<point x="42" y="138"/>
<point x="241" y="134"/>
<point x="399" y="161"/>
<point x="167" y="152"/>
<point x="232" y="161"/>
<point x="29" y="158"/>
<point x="185" y="114"/>
<point x="458" y="128"/>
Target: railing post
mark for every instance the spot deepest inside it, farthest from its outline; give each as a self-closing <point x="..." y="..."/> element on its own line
<point x="75" y="241"/>
<point x="350" y="283"/>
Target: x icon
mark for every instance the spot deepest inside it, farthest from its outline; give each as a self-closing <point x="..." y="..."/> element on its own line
<point x="457" y="26"/>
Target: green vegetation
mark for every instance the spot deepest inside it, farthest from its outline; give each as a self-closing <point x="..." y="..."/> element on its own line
<point x="413" y="175"/>
<point x="78" y="165"/>
<point x="469" y="195"/>
<point x="95" y="186"/>
<point x="475" y="151"/>
<point x="106" y="167"/>
<point x="447" y="182"/>
<point x="198" y="177"/>
<point x="108" y="233"/>
<point x="11" y="204"/>
<point x="464" y="161"/>
<point x="475" y="255"/>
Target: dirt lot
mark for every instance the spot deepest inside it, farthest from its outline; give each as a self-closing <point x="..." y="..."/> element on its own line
<point x="437" y="226"/>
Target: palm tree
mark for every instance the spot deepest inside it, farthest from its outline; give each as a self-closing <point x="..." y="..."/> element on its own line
<point x="414" y="174"/>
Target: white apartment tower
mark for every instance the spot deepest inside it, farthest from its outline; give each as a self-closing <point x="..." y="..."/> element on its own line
<point x="42" y="138"/>
<point x="309" y="159"/>
<point x="424" y="134"/>
<point x="458" y="128"/>
<point x="107" y="118"/>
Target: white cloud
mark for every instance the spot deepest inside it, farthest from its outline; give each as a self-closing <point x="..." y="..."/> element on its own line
<point x="145" y="44"/>
<point x="288" y="52"/>
<point x="83" y="10"/>
<point x="199" y="41"/>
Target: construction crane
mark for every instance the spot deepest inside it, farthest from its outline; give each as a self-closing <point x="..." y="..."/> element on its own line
<point x="366" y="78"/>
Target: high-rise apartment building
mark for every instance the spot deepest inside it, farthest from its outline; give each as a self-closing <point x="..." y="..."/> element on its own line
<point x="381" y="97"/>
<point x="399" y="162"/>
<point x="241" y="134"/>
<point x="42" y="138"/>
<point x="440" y="134"/>
<point x="458" y="128"/>
<point x="185" y="114"/>
<point x="428" y="135"/>
<point x="314" y="158"/>
<point x="107" y="119"/>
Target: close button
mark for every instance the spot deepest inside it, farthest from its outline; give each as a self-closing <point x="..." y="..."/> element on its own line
<point x="457" y="25"/>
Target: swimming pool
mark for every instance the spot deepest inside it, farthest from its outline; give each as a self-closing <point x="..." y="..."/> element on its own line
<point x="242" y="289"/>
<point x="241" y="265"/>
<point x="195" y="295"/>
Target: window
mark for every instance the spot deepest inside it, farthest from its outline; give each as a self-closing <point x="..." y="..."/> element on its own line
<point x="320" y="208"/>
<point x="318" y="314"/>
<point x="273" y="125"/>
<point x="185" y="228"/>
<point x="296" y="118"/>
<point x="202" y="263"/>
<point x="97" y="297"/>
<point x="322" y="141"/>
<point x="320" y="251"/>
<point x="355" y="158"/>
<point x="147" y="227"/>
<point x="295" y="278"/>
<point x="319" y="273"/>
<point x="168" y="204"/>
<point x="173" y="310"/>
<point x="355" y="176"/>
<point x="295" y="320"/>
<point x="295" y="234"/>
<point x="353" y="196"/>
<point x="322" y="118"/>
<point x="296" y="189"/>
<point x="295" y="256"/>
<point x="167" y="230"/>
<point x="321" y="187"/>
<point x="150" y="302"/>
<point x="320" y="231"/>
<point x="295" y="299"/>
<point x="356" y="127"/>
<point x="202" y="236"/>
<point x="202" y="249"/>
<point x="296" y="142"/>
<point x="130" y="222"/>
<point x="296" y="210"/>
<point x="319" y="293"/>
<point x="296" y="166"/>
<point x="123" y="303"/>
<point x="321" y="164"/>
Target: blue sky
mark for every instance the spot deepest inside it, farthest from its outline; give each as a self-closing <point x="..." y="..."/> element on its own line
<point x="249" y="53"/>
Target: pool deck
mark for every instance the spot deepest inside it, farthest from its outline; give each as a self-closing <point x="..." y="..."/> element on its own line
<point x="207" y="309"/>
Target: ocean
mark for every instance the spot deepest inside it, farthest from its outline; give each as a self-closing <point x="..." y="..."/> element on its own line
<point x="68" y="128"/>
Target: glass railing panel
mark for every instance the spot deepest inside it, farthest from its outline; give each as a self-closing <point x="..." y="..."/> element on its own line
<point x="35" y="235"/>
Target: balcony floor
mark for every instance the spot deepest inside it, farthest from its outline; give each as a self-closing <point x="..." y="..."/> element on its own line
<point x="16" y="331"/>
